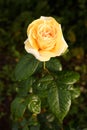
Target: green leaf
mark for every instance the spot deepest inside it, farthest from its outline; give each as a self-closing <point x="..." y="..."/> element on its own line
<point x="46" y="78"/>
<point x="25" y="86"/>
<point x="63" y="85"/>
<point x="43" y="83"/>
<point x="18" y="108"/>
<point x="26" y="67"/>
<point x="34" y="104"/>
<point x="67" y="77"/>
<point x="42" y="86"/>
<point x="75" y="92"/>
<point x="54" y="65"/>
<point x="50" y="117"/>
<point x="59" y="101"/>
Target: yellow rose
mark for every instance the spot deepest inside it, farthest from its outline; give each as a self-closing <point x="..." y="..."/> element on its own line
<point x="45" y="39"/>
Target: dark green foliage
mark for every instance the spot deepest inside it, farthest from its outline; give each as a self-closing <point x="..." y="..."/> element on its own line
<point x="59" y="101"/>
<point x="26" y="67"/>
<point x="25" y="87"/>
<point x="54" y="65"/>
<point x="18" y="108"/>
<point x="43" y="90"/>
<point x="67" y="77"/>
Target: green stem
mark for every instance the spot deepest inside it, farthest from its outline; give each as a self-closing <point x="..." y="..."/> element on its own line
<point x="44" y="65"/>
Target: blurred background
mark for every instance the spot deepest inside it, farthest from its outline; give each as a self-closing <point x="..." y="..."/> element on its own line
<point x="15" y="15"/>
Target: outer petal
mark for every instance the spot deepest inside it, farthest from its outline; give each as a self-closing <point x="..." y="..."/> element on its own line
<point x="32" y="38"/>
<point x="61" y="44"/>
<point x="29" y="49"/>
<point x="35" y="23"/>
<point x="59" y="49"/>
<point x="46" y="55"/>
<point x="39" y="55"/>
<point x="65" y="46"/>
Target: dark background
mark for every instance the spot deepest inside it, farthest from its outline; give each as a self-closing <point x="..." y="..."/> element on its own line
<point x="15" y="15"/>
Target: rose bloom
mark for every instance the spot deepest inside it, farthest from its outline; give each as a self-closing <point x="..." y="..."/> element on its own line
<point x="45" y="39"/>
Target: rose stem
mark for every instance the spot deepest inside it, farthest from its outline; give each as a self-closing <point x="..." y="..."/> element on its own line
<point x="44" y="66"/>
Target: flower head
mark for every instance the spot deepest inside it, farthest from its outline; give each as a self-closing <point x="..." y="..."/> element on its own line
<point x="45" y="39"/>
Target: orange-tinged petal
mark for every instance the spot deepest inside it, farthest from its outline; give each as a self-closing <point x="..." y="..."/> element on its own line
<point x="35" y="23"/>
<point x="60" y="47"/>
<point x="37" y="54"/>
<point x="32" y="39"/>
<point x="46" y="54"/>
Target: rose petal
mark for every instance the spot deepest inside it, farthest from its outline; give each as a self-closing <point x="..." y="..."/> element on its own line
<point x="46" y="54"/>
<point x="61" y="44"/>
<point x="65" y="45"/>
<point x="32" y="39"/>
<point x="35" y="23"/>
<point x="40" y="56"/>
<point x="29" y="48"/>
<point x="60" y="48"/>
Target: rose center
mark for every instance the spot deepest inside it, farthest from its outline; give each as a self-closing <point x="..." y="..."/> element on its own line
<point x="46" y="32"/>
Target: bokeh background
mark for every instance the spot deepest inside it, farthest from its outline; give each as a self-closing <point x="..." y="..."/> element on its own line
<point x="15" y="15"/>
